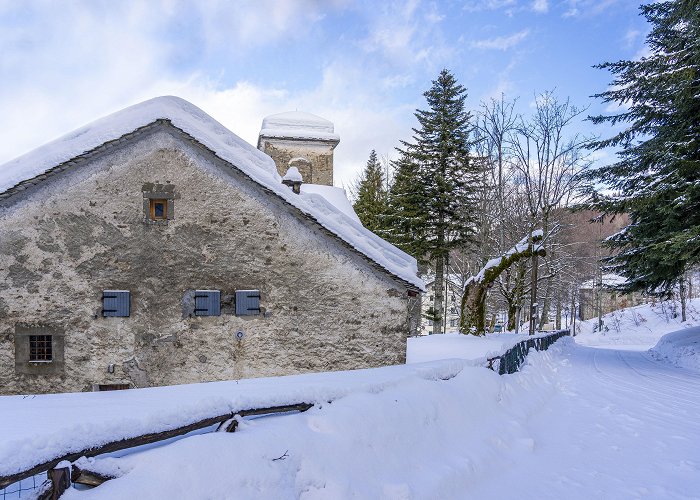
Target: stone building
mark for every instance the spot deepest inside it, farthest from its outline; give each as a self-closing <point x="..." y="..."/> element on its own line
<point x="301" y="140"/>
<point x="155" y="247"/>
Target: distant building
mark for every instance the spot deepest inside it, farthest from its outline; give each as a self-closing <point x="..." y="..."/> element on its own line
<point x="452" y="306"/>
<point x="156" y="247"/>
<point x="611" y="300"/>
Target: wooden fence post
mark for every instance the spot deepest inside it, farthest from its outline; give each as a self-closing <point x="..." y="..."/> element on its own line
<point x="60" y="481"/>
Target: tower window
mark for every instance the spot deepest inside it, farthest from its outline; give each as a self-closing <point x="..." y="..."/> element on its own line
<point x="158" y="202"/>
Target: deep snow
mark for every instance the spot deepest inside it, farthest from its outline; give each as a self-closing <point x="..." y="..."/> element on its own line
<point x="577" y="422"/>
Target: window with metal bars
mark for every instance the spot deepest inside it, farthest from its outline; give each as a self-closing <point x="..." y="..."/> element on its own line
<point x="40" y="348"/>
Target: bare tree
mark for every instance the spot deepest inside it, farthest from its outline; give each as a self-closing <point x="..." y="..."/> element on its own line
<point x="547" y="158"/>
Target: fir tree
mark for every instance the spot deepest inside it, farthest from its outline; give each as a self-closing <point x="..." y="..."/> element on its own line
<point x="437" y="164"/>
<point x="404" y="220"/>
<point x="370" y="205"/>
<point x="656" y="179"/>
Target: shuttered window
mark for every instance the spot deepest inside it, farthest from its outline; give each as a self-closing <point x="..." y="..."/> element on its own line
<point x="207" y="303"/>
<point x="247" y="302"/>
<point x="116" y="303"/>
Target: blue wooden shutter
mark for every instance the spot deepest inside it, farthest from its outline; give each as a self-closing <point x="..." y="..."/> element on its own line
<point x="247" y="302"/>
<point x="116" y="303"/>
<point x="207" y="303"/>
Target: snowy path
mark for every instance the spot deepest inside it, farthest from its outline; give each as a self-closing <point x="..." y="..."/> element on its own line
<point x="623" y="426"/>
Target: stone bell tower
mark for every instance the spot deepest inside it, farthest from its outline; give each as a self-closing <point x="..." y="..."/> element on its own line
<point x="301" y="140"/>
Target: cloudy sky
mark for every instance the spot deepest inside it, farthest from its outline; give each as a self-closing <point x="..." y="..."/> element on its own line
<point x="361" y="64"/>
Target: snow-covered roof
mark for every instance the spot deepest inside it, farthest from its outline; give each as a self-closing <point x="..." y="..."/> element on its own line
<point x="227" y="146"/>
<point x="298" y="125"/>
<point x="609" y="280"/>
<point x="334" y="195"/>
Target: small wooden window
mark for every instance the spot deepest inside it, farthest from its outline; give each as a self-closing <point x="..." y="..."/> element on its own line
<point x="207" y="303"/>
<point x="40" y="348"/>
<point x="116" y="303"/>
<point x="159" y="209"/>
<point x="247" y="302"/>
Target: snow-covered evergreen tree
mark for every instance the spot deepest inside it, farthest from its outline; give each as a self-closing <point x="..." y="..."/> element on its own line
<point x="403" y="223"/>
<point x="656" y="179"/>
<point x="440" y="178"/>
<point x="370" y="205"/>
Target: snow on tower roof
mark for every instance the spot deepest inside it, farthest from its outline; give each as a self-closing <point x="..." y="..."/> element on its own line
<point x="298" y="125"/>
<point x="223" y="143"/>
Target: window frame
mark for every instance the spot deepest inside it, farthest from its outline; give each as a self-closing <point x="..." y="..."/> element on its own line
<point x="154" y="194"/>
<point x="152" y="210"/>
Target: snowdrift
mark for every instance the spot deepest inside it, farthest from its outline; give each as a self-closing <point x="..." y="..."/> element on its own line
<point x="680" y="348"/>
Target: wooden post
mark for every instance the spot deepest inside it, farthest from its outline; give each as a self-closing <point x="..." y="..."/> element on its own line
<point x="60" y="481"/>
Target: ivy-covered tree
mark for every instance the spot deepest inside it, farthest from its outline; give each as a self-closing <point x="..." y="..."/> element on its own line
<point x="370" y="205"/>
<point x="437" y="162"/>
<point x="656" y="179"/>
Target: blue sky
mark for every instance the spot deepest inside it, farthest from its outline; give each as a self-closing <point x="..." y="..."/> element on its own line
<point x="361" y="64"/>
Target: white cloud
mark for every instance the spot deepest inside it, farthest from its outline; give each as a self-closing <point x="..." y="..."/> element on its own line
<point x="541" y="6"/>
<point x="477" y="5"/>
<point x="631" y="37"/>
<point x="405" y="33"/>
<point x="576" y="8"/>
<point x="504" y="85"/>
<point x="241" y="25"/>
<point x="501" y="42"/>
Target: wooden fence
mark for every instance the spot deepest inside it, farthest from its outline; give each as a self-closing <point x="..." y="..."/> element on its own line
<point x="58" y="478"/>
<point x="512" y="359"/>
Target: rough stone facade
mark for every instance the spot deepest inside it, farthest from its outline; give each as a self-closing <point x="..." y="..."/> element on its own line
<point x="66" y="239"/>
<point x="318" y="167"/>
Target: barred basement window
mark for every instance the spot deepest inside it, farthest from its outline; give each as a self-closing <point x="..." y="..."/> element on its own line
<point x="41" y="348"/>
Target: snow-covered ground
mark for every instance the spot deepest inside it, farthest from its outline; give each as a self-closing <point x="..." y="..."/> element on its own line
<point x="577" y="422"/>
<point x="638" y="328"/>
<point x="468" y="347"/>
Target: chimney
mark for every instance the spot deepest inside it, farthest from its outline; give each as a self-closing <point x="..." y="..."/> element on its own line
<point x="293" y="179"/>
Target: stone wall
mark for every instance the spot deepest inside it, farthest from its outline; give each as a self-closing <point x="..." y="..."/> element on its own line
<point x="83" y="231"/>
<point x="318" y="153"/>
